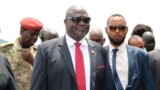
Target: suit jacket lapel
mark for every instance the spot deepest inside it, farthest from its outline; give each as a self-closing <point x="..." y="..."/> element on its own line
<point x="109" y="71"/>
<point x="108" y="67"/>
<point x="92" y="54"/>
<point x="131" y="65"/>
<point x="63" y="49"/>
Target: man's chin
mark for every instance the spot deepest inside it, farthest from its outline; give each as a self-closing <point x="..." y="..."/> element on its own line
<point x="117" y="43"/>
<point x="31" y="44"/>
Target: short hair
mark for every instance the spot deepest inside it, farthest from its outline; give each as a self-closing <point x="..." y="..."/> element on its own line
<point x="96" y="30"/>
<point x="47" y="34"/>
<point x="139" y="29"/>
<point x="114" y="15"/>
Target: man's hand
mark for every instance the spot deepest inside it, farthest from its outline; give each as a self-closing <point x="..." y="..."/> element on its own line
<point x="27" y="55"/>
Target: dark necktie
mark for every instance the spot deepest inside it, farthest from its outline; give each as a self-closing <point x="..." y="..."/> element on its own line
<point x="79" y="68"/>
<point x="114" y="71"/>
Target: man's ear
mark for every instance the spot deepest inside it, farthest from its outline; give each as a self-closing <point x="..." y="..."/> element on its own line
<point x="103" y="41"/>
<point x="21" y="30"/>
<point x="126" y="29"/>
<point x="106" y="30"/>
<point x="65" y="21"/>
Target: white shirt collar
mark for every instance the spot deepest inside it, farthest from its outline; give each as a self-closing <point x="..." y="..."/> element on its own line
<point x="71" y="41"/>
<point x="121" y="48"/>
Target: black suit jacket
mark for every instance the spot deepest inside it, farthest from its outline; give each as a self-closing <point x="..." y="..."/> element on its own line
<point x="53" y="68"/>
<point x="7" y="80"/>
<point x="154" y="57"/>
<point x="139" y="74"/>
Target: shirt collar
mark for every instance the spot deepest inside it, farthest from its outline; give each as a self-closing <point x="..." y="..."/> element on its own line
<point x="121" y="48"/>
<point x="71" y="41"/>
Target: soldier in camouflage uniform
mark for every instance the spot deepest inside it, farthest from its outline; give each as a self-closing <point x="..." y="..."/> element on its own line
<point x="21" y="53"/>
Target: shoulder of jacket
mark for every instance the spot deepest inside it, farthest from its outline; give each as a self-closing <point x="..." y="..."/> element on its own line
<point x="5" y="44"/>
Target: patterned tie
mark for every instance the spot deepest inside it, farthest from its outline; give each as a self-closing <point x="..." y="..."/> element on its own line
<point x="79" y="68"/>
<point x="114" y="71"/>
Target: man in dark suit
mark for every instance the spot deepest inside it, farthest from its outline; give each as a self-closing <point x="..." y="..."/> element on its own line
<point x="129" y="66"/>
<point x="56" y="67"/>
<point x="7" y="80"/>
<point x="154" y="57"/>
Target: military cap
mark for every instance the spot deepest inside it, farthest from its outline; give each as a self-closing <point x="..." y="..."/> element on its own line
<point x="30" y="23"/>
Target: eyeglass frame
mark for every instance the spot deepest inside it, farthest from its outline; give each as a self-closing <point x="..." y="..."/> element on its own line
<point x="76" y="21"/>
<point x="120" y="28"/>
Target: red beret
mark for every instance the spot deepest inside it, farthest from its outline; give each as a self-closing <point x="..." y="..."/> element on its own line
<point x="31" y="24"/>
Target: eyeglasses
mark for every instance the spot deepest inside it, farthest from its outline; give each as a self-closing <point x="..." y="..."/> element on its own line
<point x="77" y="20"/>
<point x="120" y="28"/>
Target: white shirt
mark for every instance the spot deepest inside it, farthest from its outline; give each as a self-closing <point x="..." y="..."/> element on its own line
<point x="121" y="63"/>
<point x="86" y="58"/>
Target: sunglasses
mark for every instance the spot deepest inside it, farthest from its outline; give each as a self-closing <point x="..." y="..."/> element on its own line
<point x="77" y="20"/>
<point x="120" y="28"/>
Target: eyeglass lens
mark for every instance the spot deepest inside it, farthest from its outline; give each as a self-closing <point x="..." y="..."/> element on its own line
<point x="77" y="20"/>
<point x="120" y="28"/>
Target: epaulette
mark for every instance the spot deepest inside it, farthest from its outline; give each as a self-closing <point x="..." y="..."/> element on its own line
<point x="2" y="41"/>
<point x="4" y="44"/>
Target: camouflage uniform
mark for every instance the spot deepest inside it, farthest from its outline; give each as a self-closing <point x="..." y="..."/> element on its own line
<point x="3" y="43"/>
<point x="21" y="69"/>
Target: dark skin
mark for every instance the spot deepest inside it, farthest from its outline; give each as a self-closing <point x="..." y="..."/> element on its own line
<point x="116" y="37"/>
<point x="97" y="35"/>
<point x="28" y="38"/>
<point x="50" y="35"/>
<point x="77" y="31"/>
<point x="26" y="55"/>
<point x="149" y="41"/>
<point x="47" y="34"/>
<point x="137" y="41"/>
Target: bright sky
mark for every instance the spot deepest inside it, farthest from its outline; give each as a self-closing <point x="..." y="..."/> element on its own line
<point x="52" y="13"/>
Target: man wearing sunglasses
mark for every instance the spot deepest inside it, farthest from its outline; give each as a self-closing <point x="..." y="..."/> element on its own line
<point x="130" y="69"/>
<point x="71" y="62"/>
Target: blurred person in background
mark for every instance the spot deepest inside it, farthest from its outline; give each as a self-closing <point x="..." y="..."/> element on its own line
<point x="7" y="79"/>
<point x="96" y="35"/>
<point x="154" y="57"/>
<point x="136" y="41"/>
<point x="149" y="41"/>
<point x="47" y="34"/>
<point x="139" y="29"/>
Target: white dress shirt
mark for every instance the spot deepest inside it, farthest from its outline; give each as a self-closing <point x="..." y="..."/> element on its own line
<point x="86" y="58"/>
<point x="121" y="63"/>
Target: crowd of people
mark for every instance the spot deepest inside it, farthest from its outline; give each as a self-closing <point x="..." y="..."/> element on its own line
<point x="74" y="62"/>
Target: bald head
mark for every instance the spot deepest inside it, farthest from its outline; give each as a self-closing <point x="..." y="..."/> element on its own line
<point x="149" y="40"/>
<point x="147" y="34"/>
<point x="75" y="9"/>
<point x="96" y="35"/>
<point x="47" y="34"/>
<point x="77" y="22"/>
<point x="136" y="41"/>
